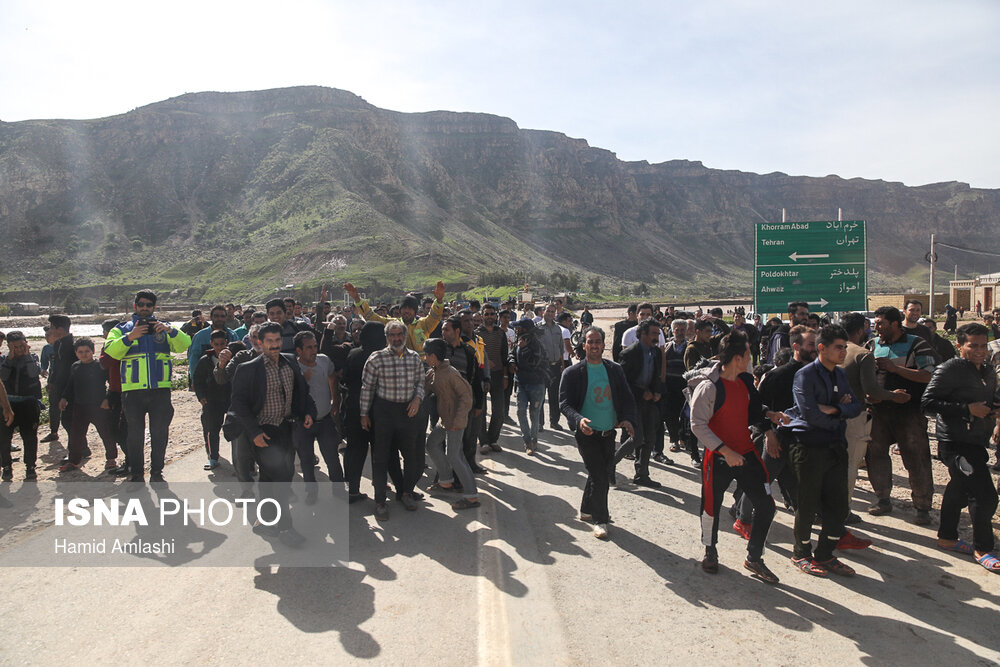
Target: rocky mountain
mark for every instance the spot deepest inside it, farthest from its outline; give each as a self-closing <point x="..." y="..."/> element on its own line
<point x="235" y="194"/>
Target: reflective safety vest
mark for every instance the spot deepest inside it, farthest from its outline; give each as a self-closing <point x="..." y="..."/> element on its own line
<point x="146" y="363"/>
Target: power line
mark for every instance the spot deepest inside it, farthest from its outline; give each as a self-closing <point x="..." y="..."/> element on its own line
<point x="970" y="250"/>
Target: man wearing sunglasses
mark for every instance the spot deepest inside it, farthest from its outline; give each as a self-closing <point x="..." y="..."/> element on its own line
<point x="144" y="345"/>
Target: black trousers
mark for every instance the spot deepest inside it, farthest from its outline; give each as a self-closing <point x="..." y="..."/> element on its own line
<point x="394" y="431"/>
<point x="470" y="436"/>
<point x="973" y="488"/>
<point x="118" y="422"/>
<point x="212" y="415"/>
<point x="646" y="433"/>
<point x="498" y="410"/>
<point x="555" y="370"/>
<point x="138" y="404"/>
<point x="507" y="393"/>
<point x="597" y="451"/>
<point x="276" y="463"/>
<point x="57" y="416"/>
<point x="821" y="471"/>
<point x="673" y="402"/>
<point x="780" y="470"/>
<point x="325" y="432"/>
<point x="752" y="478"/>
<point x="26" y="414"/>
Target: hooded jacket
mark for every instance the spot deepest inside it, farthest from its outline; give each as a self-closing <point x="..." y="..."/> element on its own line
<point x="706" y="394"/>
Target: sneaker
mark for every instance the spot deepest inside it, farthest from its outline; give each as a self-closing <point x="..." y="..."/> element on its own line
<point x="484" y="449"/>
<point x="120" y="471"/>
<point x="156" y="478"/>
<point x="601" y="531"/>
<point x="381" y="512"/>
<point x="852" y="519"/>
<point x="589" y="518"/>
<point x="529" y="448"/>
<point x="408" y="502"/>
<point x="923" y="518"/>
<point x="8" y="474"/>
<point x="660" y="457"/>
<point x="30" y="474"/>
<point x="495" y="446"/>
<point x="51" y="437"/>
<point x="880" y="508"/>
<point x="743" y="529"/>
<point x="212" y="464"/>
<point x="851" y="541"/>
<point x="760" y="571"/>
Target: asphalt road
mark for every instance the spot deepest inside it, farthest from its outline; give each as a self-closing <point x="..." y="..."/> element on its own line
<point x="520" y="581"/>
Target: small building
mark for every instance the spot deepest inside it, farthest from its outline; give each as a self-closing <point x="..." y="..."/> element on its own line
<point x="24" y="308"/>
<point x="983" y="289"/>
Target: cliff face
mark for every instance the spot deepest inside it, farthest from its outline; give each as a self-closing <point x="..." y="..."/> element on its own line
<point x="240" y="192"/>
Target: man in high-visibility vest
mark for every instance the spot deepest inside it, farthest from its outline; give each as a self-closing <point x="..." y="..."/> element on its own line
<point x="144" y="345"/>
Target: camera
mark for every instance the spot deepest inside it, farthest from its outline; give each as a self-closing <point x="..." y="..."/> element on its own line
<point x="143" y="321"/>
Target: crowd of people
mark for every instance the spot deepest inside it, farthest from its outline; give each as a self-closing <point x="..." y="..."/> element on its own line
<point x="788" y="409"/>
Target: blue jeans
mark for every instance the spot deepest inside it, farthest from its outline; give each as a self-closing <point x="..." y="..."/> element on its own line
<point x="533" y="394"/>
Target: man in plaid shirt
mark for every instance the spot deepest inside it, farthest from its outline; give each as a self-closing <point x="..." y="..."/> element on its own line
<point x="392" y="389"/>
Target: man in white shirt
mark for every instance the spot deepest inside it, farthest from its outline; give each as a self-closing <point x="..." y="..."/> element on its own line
<point x="632" y="335"/>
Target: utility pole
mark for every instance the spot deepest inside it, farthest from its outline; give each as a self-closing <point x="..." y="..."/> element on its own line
<point x="930" y="297"/>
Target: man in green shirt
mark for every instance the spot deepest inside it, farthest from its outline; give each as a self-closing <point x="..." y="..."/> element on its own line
<point x="595" y="397"/>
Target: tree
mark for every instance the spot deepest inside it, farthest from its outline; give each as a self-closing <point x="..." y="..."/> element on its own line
<point x="595" y="284"/>
<point x="642" y="289"/>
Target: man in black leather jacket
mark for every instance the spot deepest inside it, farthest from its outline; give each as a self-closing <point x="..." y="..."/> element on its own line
<point x="962" y="395"/>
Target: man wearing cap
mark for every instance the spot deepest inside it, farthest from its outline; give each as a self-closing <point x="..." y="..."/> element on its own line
<point x="417" y="330"/>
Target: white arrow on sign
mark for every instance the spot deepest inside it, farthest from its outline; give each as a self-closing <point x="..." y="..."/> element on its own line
<point x="821" y="303"/>
<point x="796" y="257"/>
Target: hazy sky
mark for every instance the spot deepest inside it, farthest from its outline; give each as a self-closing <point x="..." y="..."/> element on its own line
<point x="902" y="91"/>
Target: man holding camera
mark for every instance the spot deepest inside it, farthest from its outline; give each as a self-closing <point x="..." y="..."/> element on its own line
<point x="144" y="345"/>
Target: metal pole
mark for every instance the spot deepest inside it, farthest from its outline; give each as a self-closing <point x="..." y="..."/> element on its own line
<point x="783" y="215"/>
<point x="840" y="214"/>
<point x="930" y="297"/>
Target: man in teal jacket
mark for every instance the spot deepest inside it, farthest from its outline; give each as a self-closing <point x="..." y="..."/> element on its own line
<point x="144" y="345"/>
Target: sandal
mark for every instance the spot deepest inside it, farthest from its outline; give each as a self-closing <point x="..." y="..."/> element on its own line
<point x="959" y="547"/>
<point x="809" y="567"/>
<point x="990" y="562"/>
<point x="838" y="568"/>
<point x="464" y="504"/>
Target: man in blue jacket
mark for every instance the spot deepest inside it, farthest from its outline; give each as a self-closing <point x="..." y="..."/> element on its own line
<point x="818" y="452"/>
<point x="595" y="397"/>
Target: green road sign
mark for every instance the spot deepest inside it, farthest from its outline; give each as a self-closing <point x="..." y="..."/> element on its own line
<point x="822" y="263"/>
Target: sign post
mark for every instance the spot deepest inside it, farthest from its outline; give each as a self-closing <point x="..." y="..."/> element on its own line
<point x="821" y="263"/>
